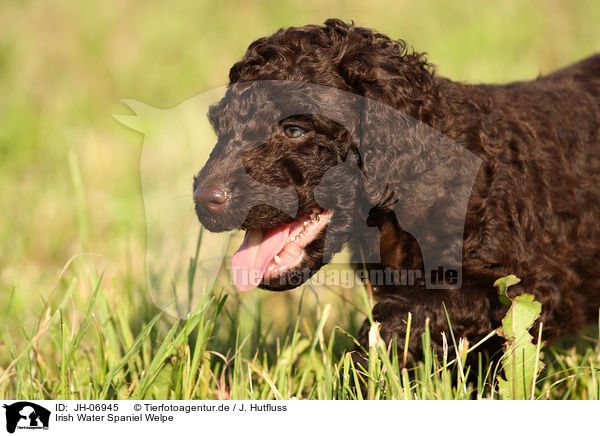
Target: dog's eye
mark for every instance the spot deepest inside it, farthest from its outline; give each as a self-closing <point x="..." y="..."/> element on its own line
<point x="294" y="131"/>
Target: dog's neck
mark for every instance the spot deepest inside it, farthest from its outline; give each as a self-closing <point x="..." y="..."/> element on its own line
<point x="459" y="111"/>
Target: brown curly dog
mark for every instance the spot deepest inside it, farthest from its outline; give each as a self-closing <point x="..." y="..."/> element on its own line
<point x="533" y="210"/>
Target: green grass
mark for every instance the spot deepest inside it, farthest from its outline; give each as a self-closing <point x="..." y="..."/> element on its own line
<point x="121" y="347"/>
<point x="70" y="195"/>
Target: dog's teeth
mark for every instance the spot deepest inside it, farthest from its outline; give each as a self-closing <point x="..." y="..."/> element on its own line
<point x="318" y="218"/>
<point x="312" y="216"/>
<point x="306" y="223"/>
<point x="271" y="266"/>
<point x="277" y="260"/>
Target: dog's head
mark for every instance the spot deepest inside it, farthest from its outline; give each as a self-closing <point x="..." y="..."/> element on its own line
<point x="288" y="164"/>
<point x="286" y="175"/>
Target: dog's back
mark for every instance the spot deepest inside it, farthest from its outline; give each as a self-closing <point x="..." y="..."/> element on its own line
<point x="540" y="141"/>
<point x="585" y="73"/>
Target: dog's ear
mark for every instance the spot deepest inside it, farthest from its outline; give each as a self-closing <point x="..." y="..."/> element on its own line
<point x="428" y="177"/>
<point x="389" y="148"/>
<point x="398" y="89"/>
<point x="396" y="85"/>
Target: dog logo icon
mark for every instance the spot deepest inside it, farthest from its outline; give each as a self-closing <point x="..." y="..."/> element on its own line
<point x="26" y="415"/>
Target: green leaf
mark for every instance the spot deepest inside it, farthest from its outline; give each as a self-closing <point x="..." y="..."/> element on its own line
<point x="502" y="284"/>
<point x="522" y="359"/>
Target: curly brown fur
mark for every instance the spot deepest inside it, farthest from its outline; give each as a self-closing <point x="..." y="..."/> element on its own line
<point x="534" y="210"/>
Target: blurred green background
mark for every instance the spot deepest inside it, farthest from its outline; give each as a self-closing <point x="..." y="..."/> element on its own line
<point x="69" y="173"/>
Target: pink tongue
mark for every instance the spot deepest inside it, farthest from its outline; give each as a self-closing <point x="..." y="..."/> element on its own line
<point x="249" y="263"/>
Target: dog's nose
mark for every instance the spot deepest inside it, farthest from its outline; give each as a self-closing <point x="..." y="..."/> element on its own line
<point x="212" y="198"/>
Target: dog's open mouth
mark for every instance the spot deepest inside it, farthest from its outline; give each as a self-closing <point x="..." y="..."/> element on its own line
<point x="266" y="254"/>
